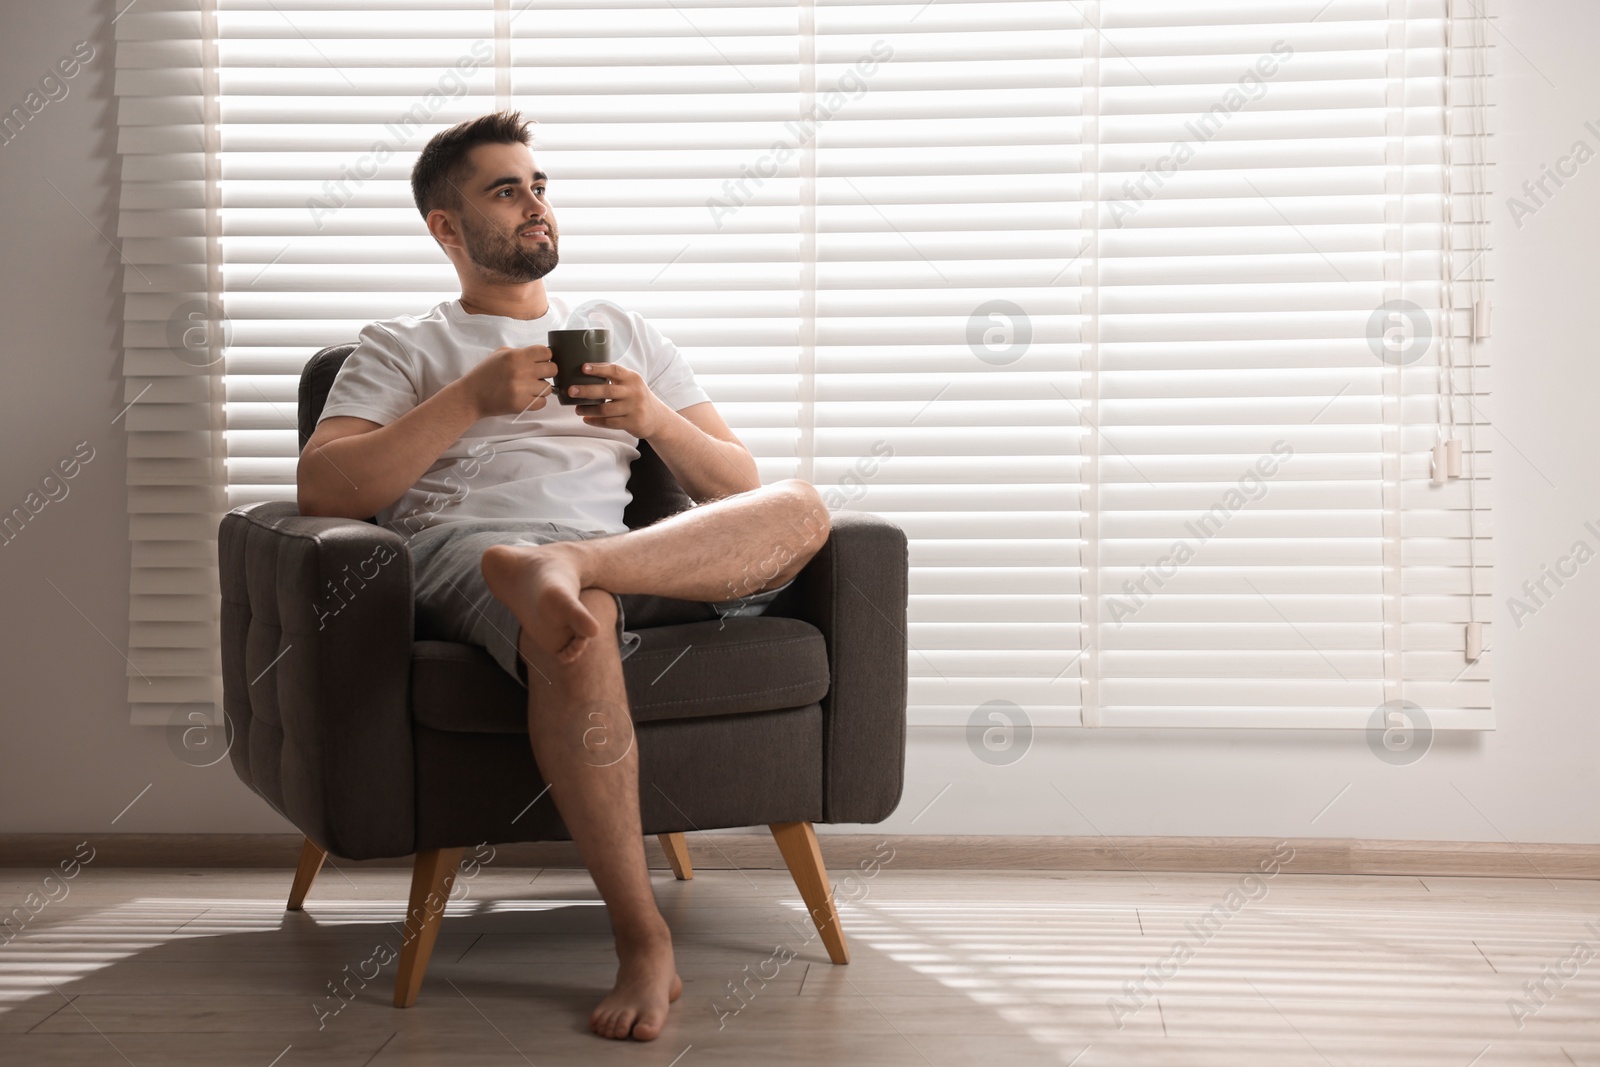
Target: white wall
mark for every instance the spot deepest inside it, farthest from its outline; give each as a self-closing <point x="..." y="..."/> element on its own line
<point x="68" y="759"/>
<point x="69" y="762"/>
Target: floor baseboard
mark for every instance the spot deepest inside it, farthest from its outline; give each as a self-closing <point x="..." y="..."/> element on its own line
<point x="909" y="852"/>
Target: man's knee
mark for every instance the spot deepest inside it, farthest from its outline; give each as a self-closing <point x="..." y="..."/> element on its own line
<point x="803" y="493"/>
<point x="810" y="510"/>
<point x="796" y="538"/>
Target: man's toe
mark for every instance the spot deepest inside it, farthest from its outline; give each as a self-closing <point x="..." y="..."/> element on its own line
<point x="648" y="1028"/>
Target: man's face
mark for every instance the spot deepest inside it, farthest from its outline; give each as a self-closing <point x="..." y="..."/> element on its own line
<point x="506" y="223"/>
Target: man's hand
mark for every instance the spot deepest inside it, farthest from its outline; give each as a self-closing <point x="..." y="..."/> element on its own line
<point x="511" y="381"/>
<point x="629" y="403"/>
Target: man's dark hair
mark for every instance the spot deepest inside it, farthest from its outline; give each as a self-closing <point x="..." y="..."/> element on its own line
<point x="442" y="164"/>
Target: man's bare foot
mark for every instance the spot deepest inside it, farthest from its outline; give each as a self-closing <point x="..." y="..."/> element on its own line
<point x="541" y="583"/>
<point x="647" y="982"/>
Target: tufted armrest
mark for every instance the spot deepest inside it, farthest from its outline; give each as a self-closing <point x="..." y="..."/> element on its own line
<point x="854" y="591"/>
<point x="316" y="665"/>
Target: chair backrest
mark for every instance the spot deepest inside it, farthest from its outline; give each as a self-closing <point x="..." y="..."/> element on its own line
<point x="656" y="493"/>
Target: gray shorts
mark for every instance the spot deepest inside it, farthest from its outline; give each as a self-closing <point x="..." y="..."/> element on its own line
<point x="454" y="603"/>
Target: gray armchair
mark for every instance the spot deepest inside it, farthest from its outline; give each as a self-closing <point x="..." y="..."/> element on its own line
<point x="376" y="741"/>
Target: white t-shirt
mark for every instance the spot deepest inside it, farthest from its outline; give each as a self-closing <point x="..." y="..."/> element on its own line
<point x="545" y="465"/>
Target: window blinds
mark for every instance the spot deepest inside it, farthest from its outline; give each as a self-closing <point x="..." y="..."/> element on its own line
<point x="1051" y="284"/>
<point x="1271" y="364"/>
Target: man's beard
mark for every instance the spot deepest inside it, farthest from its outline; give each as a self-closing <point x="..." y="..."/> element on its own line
<point x="503" y="255"/>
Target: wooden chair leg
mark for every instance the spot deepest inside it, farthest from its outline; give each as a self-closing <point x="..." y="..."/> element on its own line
<point x="677" y="850"/>
<point x="311" y="857"/>
<point x="798" y="843"/>
<point x="432" y="875"/>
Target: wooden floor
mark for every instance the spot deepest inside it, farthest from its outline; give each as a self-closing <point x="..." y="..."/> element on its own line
<point x="994" y="968"/>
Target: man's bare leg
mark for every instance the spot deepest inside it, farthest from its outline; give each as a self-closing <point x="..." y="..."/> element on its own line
<point x="583" y="742"/>
<point x="717" y="551"/>
<point x="577" y="702"/>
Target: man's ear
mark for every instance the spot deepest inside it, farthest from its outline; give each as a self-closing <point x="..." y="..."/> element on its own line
<point x="443" y="228"/>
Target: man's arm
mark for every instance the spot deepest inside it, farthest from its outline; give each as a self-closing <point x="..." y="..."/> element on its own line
<point x="353" y="468"/>
<point x="702" y="453"/>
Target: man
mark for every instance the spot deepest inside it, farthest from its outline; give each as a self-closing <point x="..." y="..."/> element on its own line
<point x="440" y="426"/>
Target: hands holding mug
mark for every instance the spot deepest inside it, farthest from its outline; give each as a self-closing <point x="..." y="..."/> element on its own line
<point x="607" y="394"/>
<point x="515" y="381"/>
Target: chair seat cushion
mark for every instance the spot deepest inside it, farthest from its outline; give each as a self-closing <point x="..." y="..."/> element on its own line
<point x="761" y="663"/>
